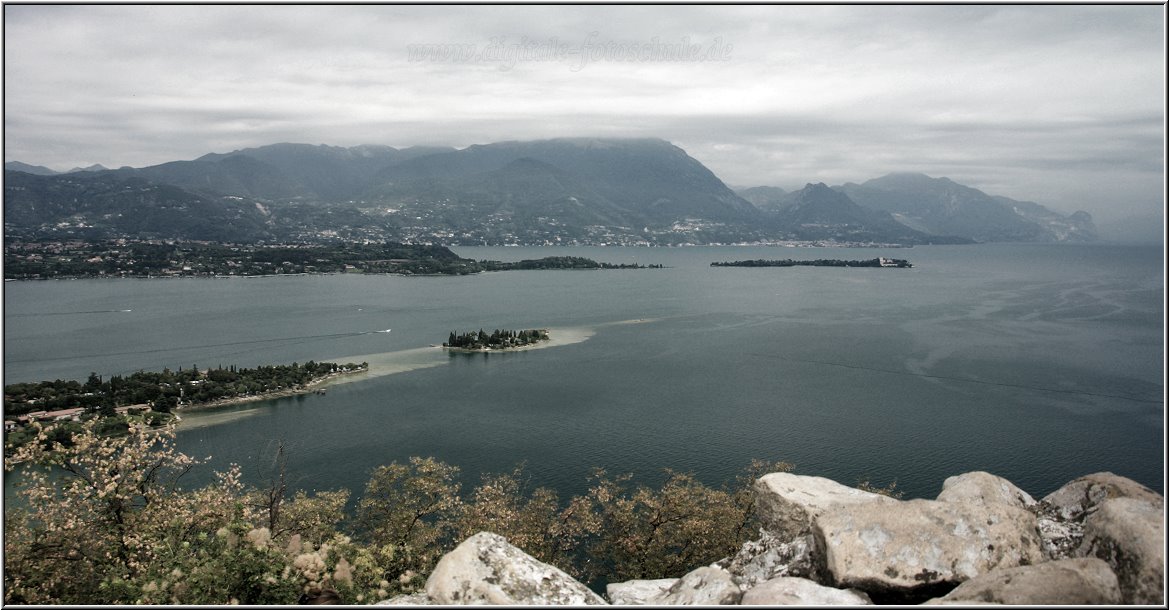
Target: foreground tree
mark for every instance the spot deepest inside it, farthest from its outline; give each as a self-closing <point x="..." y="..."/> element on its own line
<point x="532" y="521"/>
<point x="103" y="520"/>
<point x="406" y="515"/>
<point x="96" y="513"/>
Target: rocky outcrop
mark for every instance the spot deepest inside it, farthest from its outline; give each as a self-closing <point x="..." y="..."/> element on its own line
<point x="770" y="556"/>
<point x="1129" y="534"/>
<point x="485" y="569"/>
<point x="1097" y="540"/>
<point x="1083" y="495"/>
<point x="984" y="488"/>
<point x="708" y="586"/>
<point x="637" y="592"/>
<point x="787" y="504"/>
<point x="1064" y="582"/>
<point x="905" y="550"/>
<point x="789" y="591"/>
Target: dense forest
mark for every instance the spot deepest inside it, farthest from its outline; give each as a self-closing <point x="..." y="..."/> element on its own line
<point x="498" y="339"/>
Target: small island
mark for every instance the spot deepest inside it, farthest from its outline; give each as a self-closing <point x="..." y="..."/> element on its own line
<point x="497" y="340"/>
<point x="896" y="263"/>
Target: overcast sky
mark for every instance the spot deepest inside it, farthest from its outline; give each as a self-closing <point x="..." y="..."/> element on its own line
<point x="1063" y="105"/>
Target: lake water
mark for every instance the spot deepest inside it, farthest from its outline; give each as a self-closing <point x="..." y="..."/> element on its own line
<point x="1039" y="363"/>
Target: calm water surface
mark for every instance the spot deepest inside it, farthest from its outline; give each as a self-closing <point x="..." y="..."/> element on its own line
<point x="1039" y="363"/>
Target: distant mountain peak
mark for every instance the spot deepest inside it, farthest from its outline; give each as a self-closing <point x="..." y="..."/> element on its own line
<point x="36" y="170"/>
<point x="96" y="167"/>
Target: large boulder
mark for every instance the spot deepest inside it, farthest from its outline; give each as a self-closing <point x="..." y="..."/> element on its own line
<point x="769" y="556"/>
<point x="706" y="586"/>
<point x="1129" y="534"/>
<point x="485" y="569"/>
<point x="787" y="503"/>
<point x="984" y="488"/>
<point x="792" y="591"/>
<point x="1081" y="496"/>
<point x="637" y="592"/>
<point x="1061" y="513"/>
<point x="1065" y="582"/>
<point x="912" y="551"/>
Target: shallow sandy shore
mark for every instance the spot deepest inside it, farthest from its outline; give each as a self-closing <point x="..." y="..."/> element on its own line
<point x="380" y="365"/>
<point x="556" y="338"/>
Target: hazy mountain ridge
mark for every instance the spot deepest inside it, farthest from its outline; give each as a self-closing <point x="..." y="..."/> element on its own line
<point x="942" y="206"/>
<point x="654" y="181"/>
<point x="766" y="198"/>
<point x="36" y="170"/>
<point x="109" y="204"/>
<point x="817" y="212"/>
<point x="564" y="190"/>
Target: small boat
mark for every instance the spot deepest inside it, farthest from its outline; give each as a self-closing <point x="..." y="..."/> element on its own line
<point x="385" y="331"/>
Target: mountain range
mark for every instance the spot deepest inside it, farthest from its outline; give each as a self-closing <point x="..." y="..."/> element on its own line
<point x="558" y="191"/>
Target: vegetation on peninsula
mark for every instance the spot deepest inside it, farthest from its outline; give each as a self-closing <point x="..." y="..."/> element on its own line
<point x="115" y="401"/>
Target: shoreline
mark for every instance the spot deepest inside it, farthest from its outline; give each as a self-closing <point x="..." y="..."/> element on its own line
<point x="308" y="388"/>
<point x="380" y="364"/>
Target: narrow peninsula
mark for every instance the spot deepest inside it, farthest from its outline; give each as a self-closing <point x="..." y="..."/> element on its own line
<point x="152" y="398"/>
<point x="896" y="263"/>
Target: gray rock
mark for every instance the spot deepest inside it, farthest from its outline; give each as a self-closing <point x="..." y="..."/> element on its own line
<point x="983" y="488"/>
<point x="413" y="599"/>
<point x="787" y="503"/>
<point x="787" y="591"/>
<point x="637" y="592"/>
<point x="1064" y="582"/>
<point x="485" y="569"/>
<point x="1083" y="495"/>
<point x="1060" y="536"/>
<point x="1061" y="513"/>
<point x="917" y="547"/>
<point x="706" y="586"/>
<point x="769" y="557"/>
<point x="1129" y="534"/>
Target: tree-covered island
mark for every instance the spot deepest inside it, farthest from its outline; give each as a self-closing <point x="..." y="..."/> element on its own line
<point x="820" y="262"/>
<point x="150" y="397"/>
<point x="497" y="340"/>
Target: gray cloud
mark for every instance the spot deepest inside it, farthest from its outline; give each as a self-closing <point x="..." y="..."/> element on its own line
<point x="1059" y="104"/>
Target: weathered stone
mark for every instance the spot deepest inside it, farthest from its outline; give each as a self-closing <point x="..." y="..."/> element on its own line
<point x="769" y="557"/>
<point x="413" y="599"/>
<point x="1084" y="494"/>
<point x="1129" y="534"/>
<point x="1061" y="513"/>
<point x="787" y="591"/>
<point x="637" y="592"/>
<point x="1060" y="536"/>
<point x="984" y="488"/>
<point x="921" y="548"/>
<point x="706" y="586"/>
<point x="787" y="503"/>
<point x="1064" y="582"/>
<point x="485" y="569"/>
